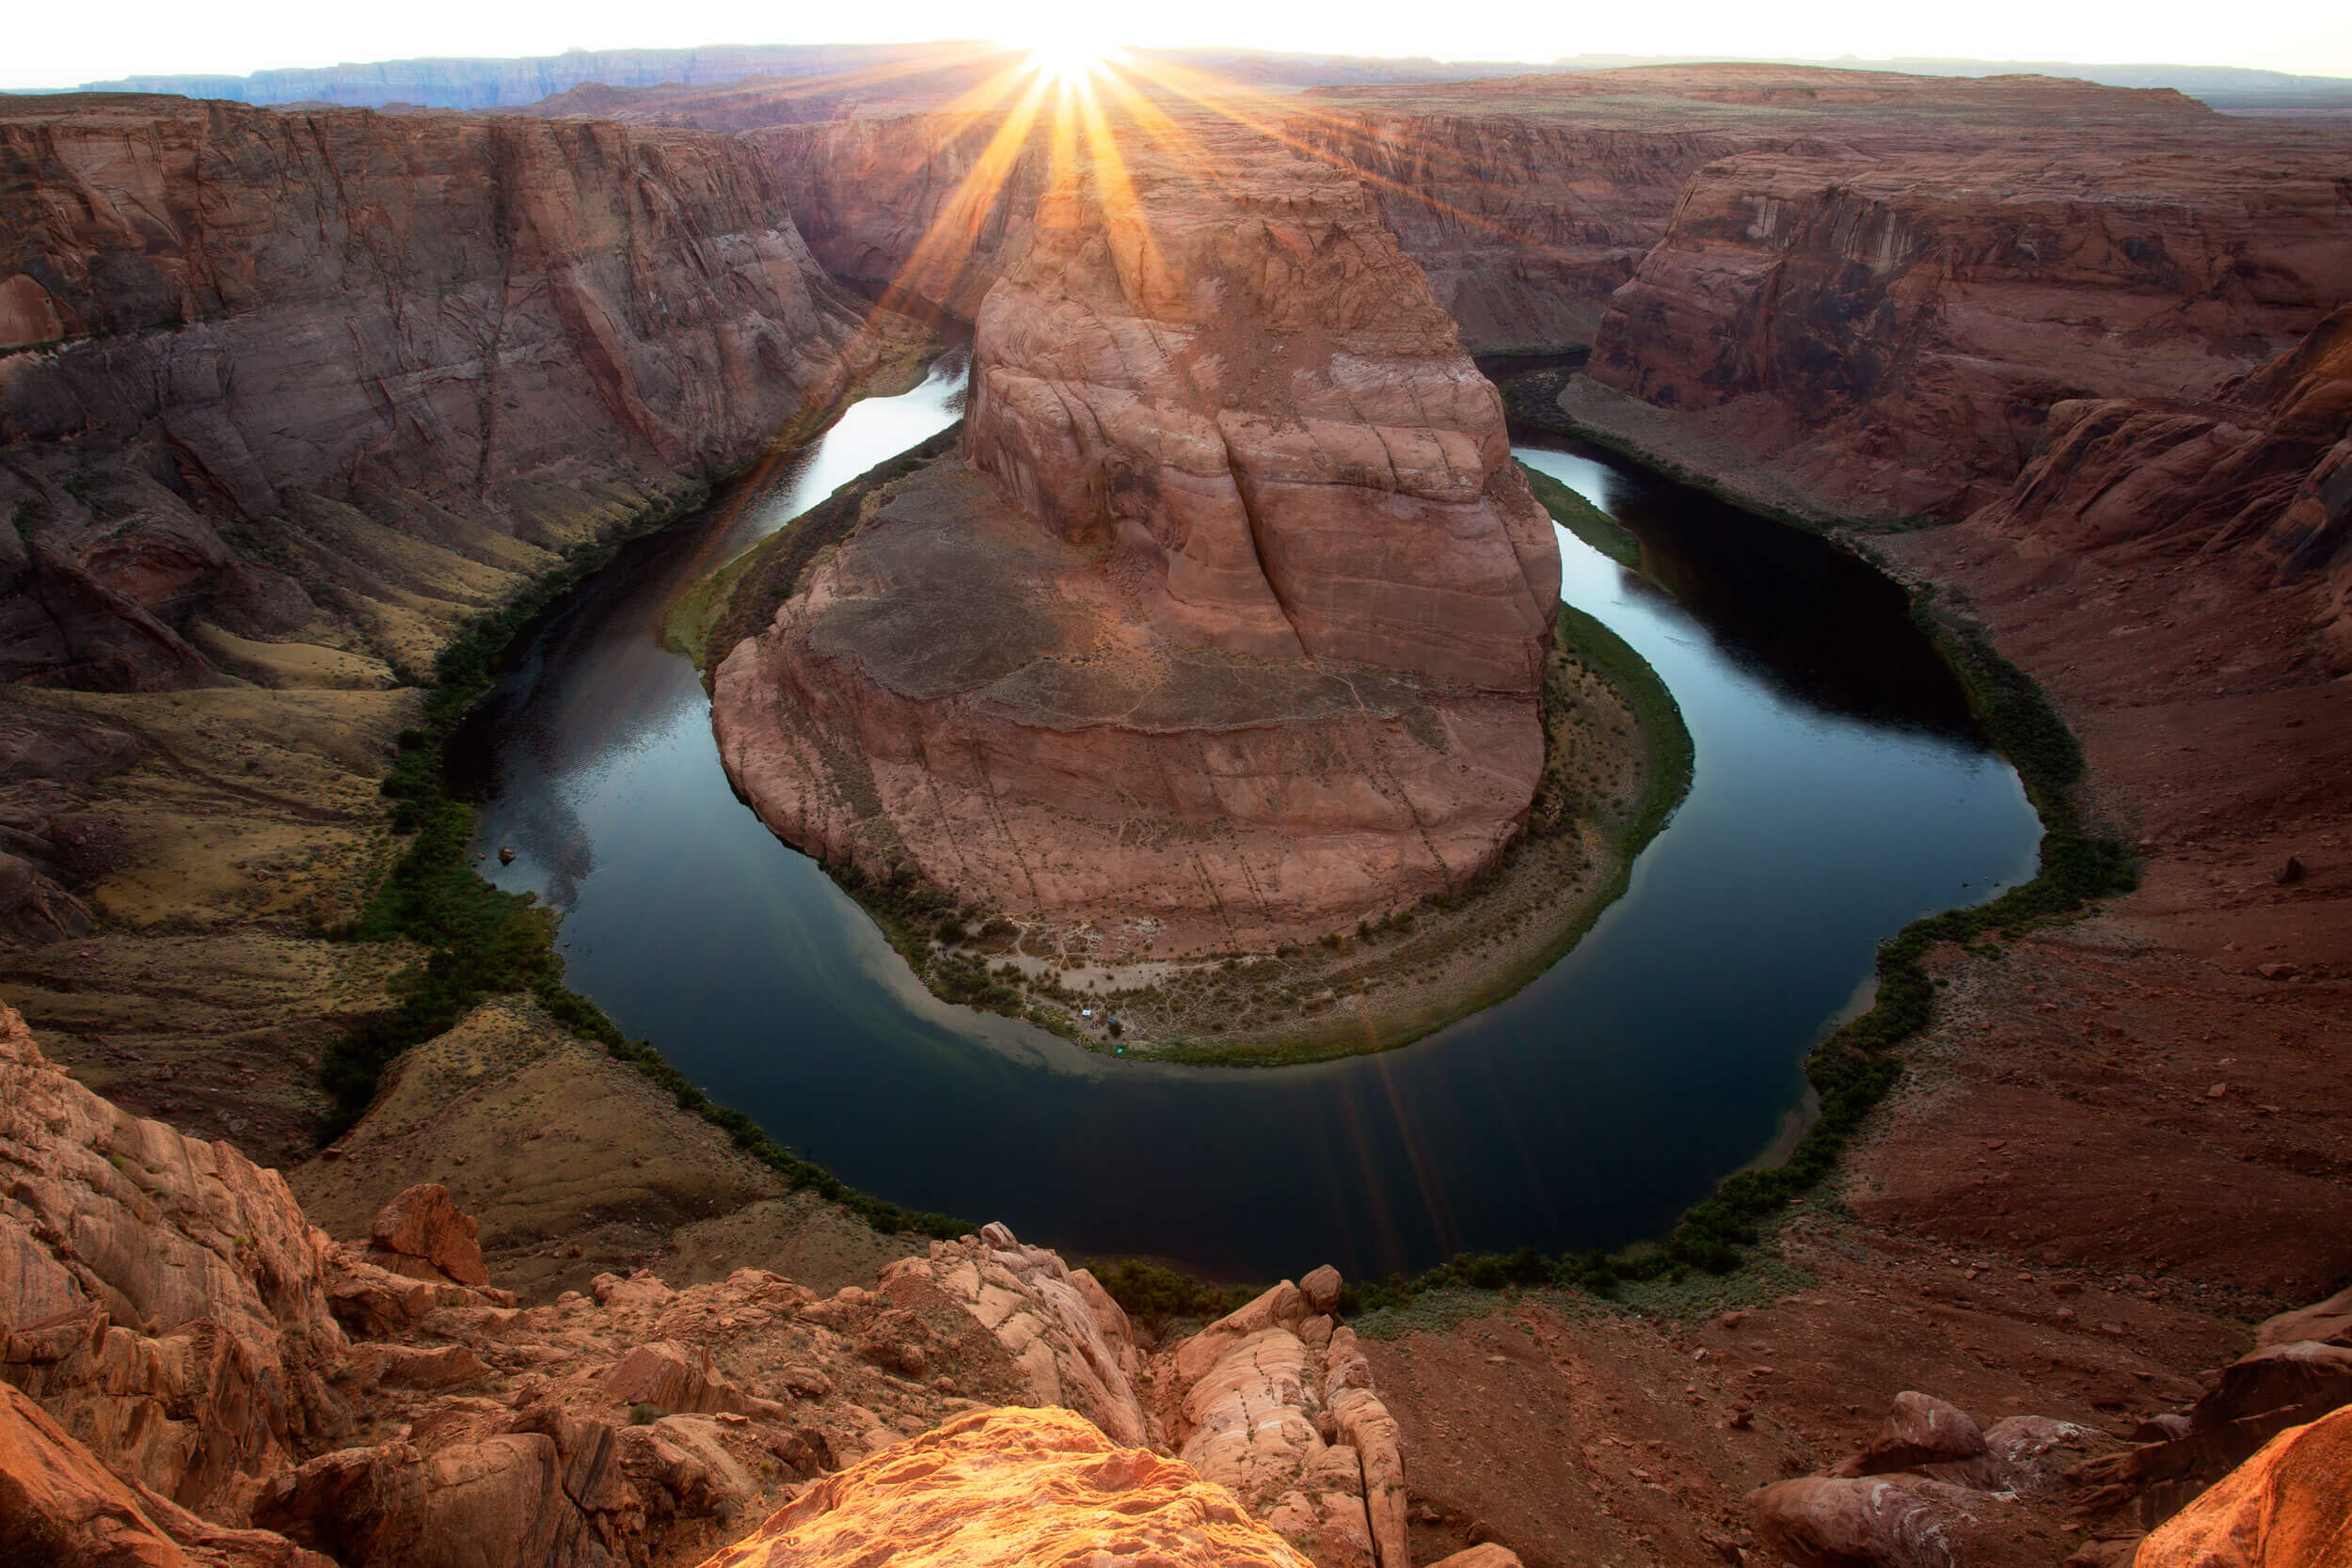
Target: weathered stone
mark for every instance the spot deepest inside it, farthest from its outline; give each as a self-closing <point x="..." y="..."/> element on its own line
<point x="1033" y="1488"/>
<point x="425" y="1224"/>
<point x="2289" y="1506"/>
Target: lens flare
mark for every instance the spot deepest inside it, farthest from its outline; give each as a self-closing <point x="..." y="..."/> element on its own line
<point x="1068" y="56"/>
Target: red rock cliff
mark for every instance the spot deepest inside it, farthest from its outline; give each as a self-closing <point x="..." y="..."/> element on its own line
<point x="1888" y="335"/>
<point x="476" y="329"/>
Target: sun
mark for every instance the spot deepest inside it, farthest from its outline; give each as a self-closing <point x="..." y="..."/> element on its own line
<point x="1068" y="57"/>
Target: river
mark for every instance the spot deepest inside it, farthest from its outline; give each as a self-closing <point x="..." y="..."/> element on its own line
<point x="1840" y="790"/>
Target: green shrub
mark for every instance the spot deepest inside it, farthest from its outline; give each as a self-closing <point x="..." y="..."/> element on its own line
<point x="481" y="942"/>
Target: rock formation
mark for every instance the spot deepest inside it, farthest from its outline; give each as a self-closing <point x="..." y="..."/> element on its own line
<point x="2260" y="470"/>
<point x="190" y="1371"/>
<point x="2287" y="1507"/>
<point x="162" y="1298"/>
<point x="1889" y="334"/>
<point x="1931" y="1489"/>
<point x="1227" y="626"/>
<point x="1850" y="291"/>
<point x="1012" y="1487"/>
<point x="262" y="371"/>
<point x="1525" y="225"/>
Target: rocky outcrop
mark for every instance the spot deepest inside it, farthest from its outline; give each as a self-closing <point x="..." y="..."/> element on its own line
<point x="256" y="367"/>
<point x="1229" y="627"/>
<point x="1012" y="1487"/>
<point x="422" y="1226"/>
<point x="1070" y="1338"/>
<point x="1275" y="1401"/>
<point x="161" y="1299"/>
<point x="2261" y="470"/>
<point x="1931" y="1490"/>
<point x="2288" y="1506"/>
<point x="2251" y="1402"/>
<point x="190" y="1374"/>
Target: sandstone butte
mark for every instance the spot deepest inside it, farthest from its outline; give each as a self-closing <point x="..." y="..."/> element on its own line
<point x="1226" y="624"/>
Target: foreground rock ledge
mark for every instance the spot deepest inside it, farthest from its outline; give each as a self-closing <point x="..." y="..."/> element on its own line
<point x="1227" y="626"/>
<point x="1030" y="1487"/>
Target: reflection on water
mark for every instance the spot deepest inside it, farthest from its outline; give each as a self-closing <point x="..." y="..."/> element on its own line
<point x="1838" y="793"/>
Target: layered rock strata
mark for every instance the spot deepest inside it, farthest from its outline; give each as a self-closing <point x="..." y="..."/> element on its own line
<point x="162" y="1298"/>
<point x="261" y="373"/>
<point x="1524" y="226"/>
<point x="1887" y="336"/>
<point x="935" y="207"/>
<point x="1227" y="626"/>
<point x="2261" y="470"/>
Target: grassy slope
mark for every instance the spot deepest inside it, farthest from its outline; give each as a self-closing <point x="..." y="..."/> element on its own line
<point x="1581" y="518"/>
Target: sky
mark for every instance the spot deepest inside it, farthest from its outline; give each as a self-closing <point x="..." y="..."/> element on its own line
<point x="55" y="45"/>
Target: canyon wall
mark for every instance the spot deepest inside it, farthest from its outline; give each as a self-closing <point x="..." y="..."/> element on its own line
<point x="1525" y="228"/>
<point x="1227" y="628"/>
<point x="250" y="362"/>
<point x="2261" y="470"/>
<point x="936" y="206"/>
<point x="1890" y="334"/>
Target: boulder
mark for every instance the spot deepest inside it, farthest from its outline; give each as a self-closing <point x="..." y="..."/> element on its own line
<point x="1484" y="1554"/>
<point x="424" y="1224"/>
<point x="1862" y="1522"/>
<point x="2328" y="1322"/>
<point x="1921" y="1430"/>
<point x="1321" y="1287"/>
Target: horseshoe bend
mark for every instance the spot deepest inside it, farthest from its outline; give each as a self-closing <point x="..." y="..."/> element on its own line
<point x="1223" y="627"/>
<point x="637" y="687"/>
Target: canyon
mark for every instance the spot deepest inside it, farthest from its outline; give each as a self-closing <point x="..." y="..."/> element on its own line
<point x="262" y="468"/>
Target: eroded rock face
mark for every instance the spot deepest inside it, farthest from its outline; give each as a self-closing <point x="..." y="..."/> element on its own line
<point x="1229" y="629"/>
<point x="2262" y="468"/>
<point x="935" y="206"/>
<point x="163" y="1299"/>
<point x="479" y="331"/>
<point x="1275" y="1401"/>
<point x="2288" y="1506"/>
<point x="1888" y="335"/>
<point x="1012" y="1487"/>
<point x="1524" y="226"/>
<point x="1246" y="391"/>
<point x="185" y="1363"/>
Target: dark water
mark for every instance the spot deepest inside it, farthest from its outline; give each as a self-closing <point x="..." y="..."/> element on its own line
<point x="1839" y="792"/>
